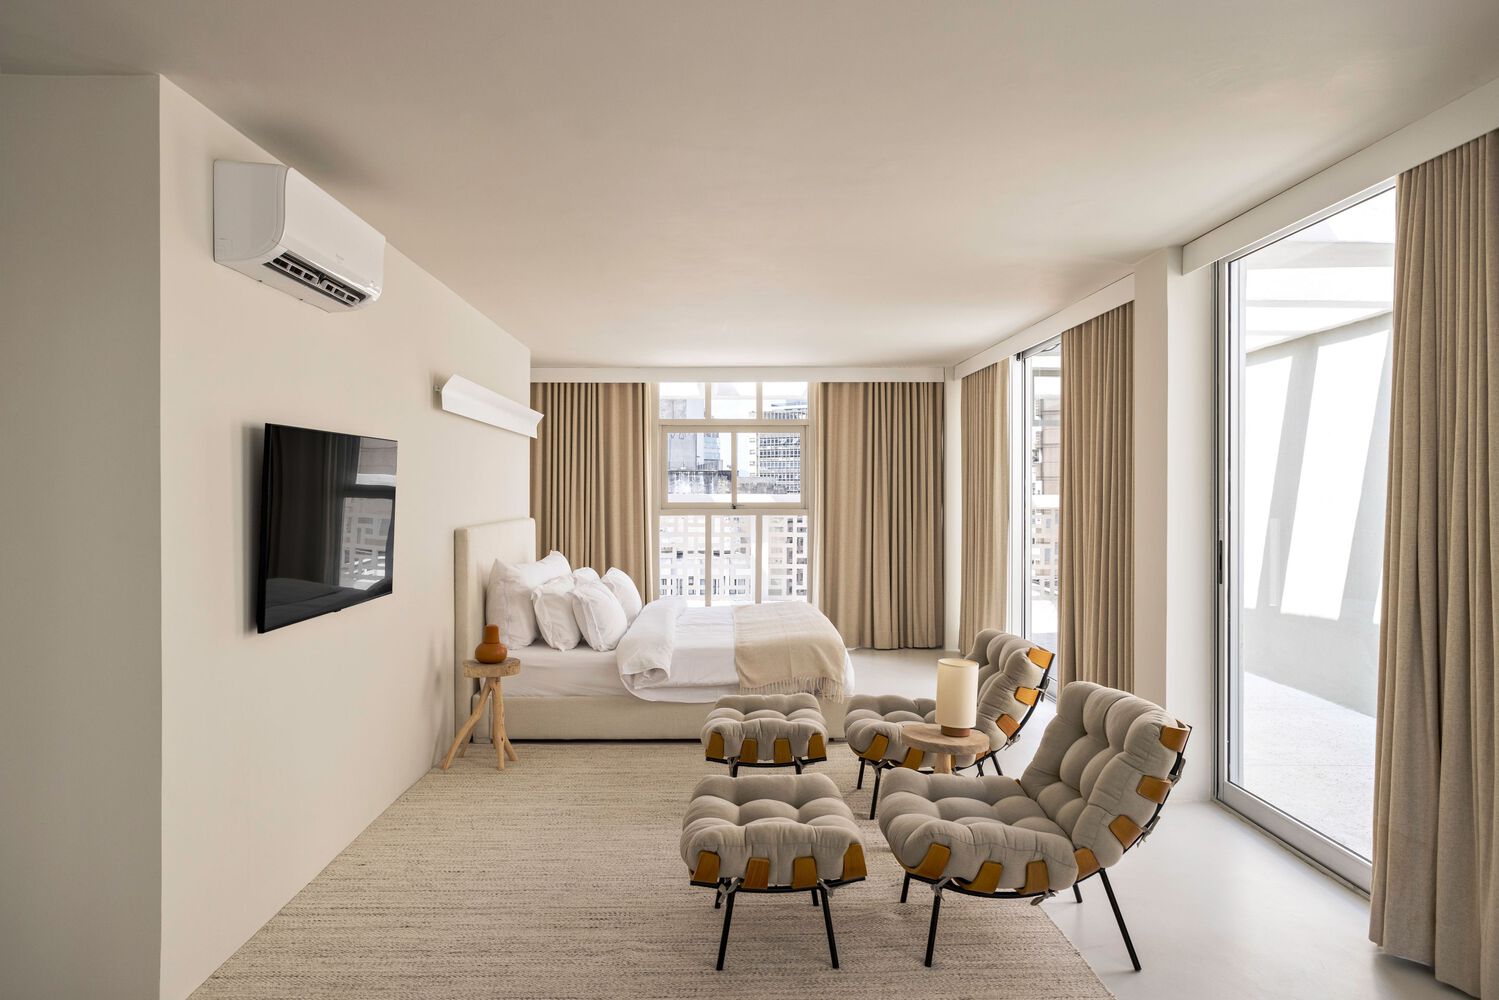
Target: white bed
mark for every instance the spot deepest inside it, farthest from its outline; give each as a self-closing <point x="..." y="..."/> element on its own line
<point x="576" y="693"/>
<point x="588" y="673"/>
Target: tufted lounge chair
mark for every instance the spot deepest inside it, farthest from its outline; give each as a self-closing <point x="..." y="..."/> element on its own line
<point x="1095" y="788"/>
<point x="1013" y="676"/>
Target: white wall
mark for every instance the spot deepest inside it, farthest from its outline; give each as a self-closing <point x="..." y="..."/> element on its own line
<point x="1175" y="501"/>
<point x="278" y="749"/>
<point x="80" y="707"/>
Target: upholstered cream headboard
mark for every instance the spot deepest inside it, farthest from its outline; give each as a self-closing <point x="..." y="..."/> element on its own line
<point x="474" y="551"/>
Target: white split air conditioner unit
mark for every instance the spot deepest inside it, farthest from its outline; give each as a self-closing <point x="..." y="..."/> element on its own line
<point x="278" y="227"/>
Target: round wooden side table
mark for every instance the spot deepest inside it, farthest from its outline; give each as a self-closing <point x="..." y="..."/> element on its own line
<point x="490" y="674"/>
<point x="928" y="737"/>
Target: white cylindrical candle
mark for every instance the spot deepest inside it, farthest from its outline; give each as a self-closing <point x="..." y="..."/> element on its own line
<point x="957" y="695"/>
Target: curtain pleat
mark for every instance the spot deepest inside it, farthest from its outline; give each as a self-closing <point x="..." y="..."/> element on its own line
<point x="1435" y="893"/>
<point x="986" y="501"/>
<point x="1095" y="614"/>
<point x="879" y="511"/>
<point x="589" y="474"/>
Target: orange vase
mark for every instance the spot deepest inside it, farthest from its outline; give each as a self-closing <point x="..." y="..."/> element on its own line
<point x="491" y="650"/>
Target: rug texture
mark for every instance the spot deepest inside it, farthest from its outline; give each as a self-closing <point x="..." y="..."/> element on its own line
<point x="560" y="877"/>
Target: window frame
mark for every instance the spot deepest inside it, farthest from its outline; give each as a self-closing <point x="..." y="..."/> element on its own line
<point x="734" y="426"/>
<point x="1312" y="844"/>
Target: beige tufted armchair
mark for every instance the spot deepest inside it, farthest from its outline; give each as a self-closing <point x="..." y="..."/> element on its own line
<point x="1013" y="677"/>
<point x="1095" y="788"/>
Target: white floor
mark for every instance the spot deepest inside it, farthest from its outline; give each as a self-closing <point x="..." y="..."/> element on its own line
<point x="1217" y="909"/>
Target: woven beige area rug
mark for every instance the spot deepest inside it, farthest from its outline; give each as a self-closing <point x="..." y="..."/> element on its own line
<point x="560" y="878"/>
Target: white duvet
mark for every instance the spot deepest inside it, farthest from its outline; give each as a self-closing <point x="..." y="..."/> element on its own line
<point x="671" y="645"/>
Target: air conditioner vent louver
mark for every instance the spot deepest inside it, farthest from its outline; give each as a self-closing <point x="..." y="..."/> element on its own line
<point x="319" y="281"/>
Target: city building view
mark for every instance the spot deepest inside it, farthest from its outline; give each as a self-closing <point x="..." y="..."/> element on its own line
<point x="744" y="556"/>
<point x="1044" y="490"/>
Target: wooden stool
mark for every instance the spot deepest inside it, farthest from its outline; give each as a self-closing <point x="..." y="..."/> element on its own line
<point x="490" y="674"/>
<point x="928" y="737"/>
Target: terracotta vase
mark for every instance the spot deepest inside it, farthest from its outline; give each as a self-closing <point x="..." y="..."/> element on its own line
<point x="491" y="650"/>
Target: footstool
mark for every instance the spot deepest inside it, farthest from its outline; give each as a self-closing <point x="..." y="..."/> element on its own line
<point x="775" y="730"/>
<point x="771" y="833"/>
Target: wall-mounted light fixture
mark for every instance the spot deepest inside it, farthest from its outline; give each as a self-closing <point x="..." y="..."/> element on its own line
<point x="472" y="400"/>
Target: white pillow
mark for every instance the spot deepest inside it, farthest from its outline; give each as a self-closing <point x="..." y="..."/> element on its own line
<point x="625" y="591"/>
<point x="585" y="574"/>
<point x="507" y="598"/>
<point x="554" y="613"/>
<point x="600" y="616"/>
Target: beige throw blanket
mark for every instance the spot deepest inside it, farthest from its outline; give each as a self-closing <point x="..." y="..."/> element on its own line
<point x="788" y="647"/>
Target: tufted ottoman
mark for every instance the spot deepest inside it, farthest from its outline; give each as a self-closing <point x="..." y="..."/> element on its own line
<point x="771" y="833"/>
<point x="777" y="730"/>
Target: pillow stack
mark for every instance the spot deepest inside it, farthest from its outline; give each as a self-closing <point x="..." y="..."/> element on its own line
<point x="548" y="598"/>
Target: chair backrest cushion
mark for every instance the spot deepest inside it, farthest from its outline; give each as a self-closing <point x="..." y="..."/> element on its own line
<point x="1011" y="669"/>
<point x="1104" y="766"/>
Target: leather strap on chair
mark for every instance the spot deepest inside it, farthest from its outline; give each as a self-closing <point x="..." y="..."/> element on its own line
<point x="876" y="750"/>
<point x="1154" y="789"/>
<point x="987" y="880"/>
<point x="935" y="862"/>
<point x="817" y="746"/>
<point x="715" y="746"/>
<point x="782" y="750"/>
<point x="1125" y="830"/>
<point x="803" y="872"/>
<point x="1087" y="862"/>
<point x="1174" y="739"/>
<point x="913" y="759"/>
<point x="1027" y="696"/>
<point x="853" y="863"/>
<point x="1037" y="878"/>
<point x="707" y="868"/>
<point x="757" y="873"/>
<point x="749" y="749"/>
<point x="1040" y="657"/>
<point x="1007" y="725"/>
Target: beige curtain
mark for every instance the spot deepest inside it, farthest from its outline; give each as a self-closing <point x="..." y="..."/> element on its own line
<point x="879" y="511"/>
<point x="589" y="474"/>
<point x="1096" y="608"/>
<point x="1436" y="815"/>
<point x="986" y="501"/>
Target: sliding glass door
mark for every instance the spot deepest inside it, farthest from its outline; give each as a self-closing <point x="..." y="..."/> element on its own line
<point x="1305" y="401"/>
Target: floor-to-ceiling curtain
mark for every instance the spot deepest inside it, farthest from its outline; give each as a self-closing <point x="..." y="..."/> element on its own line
<point x="879" y="511"/>
<point x="986" y="500"/>
<point x="590" y="474"/>
<point x="1096" y="607"/>
<point x="1435" y="892"/>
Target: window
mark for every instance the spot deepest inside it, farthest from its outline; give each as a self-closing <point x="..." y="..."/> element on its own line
<point x="733" y="524"/>
<point x="1305" y="427"/>
<point x="1041" y="456"/>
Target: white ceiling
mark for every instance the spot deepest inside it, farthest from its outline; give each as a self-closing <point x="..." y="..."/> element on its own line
<point x="866" y="182"/>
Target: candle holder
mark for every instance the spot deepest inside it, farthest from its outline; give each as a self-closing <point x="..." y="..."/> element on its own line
<point x="957" y="696"/>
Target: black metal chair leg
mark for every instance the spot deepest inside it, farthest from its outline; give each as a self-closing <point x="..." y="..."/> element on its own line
<point x="874" y="800"/>
<point x="860" y="784"/>
<point x="717" y="900"/>
<point x="1119" y="917"/>
<point x="827" y="919"/>
<point x="931" y="934"/>
<point x="734" y="769"/>
<point x="1077" y="892"/>
<point x="723" y="941"/>
<point x="798" y="765"/>
<point x="905" y="887"/>
<point x="814" y="897"/>
<point x="981" y="766"/>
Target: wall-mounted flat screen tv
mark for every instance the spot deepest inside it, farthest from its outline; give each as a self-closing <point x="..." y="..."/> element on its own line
<point x="327" y="523"/>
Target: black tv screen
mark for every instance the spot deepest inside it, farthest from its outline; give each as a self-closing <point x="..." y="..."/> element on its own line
<point x="327" y="523"/>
